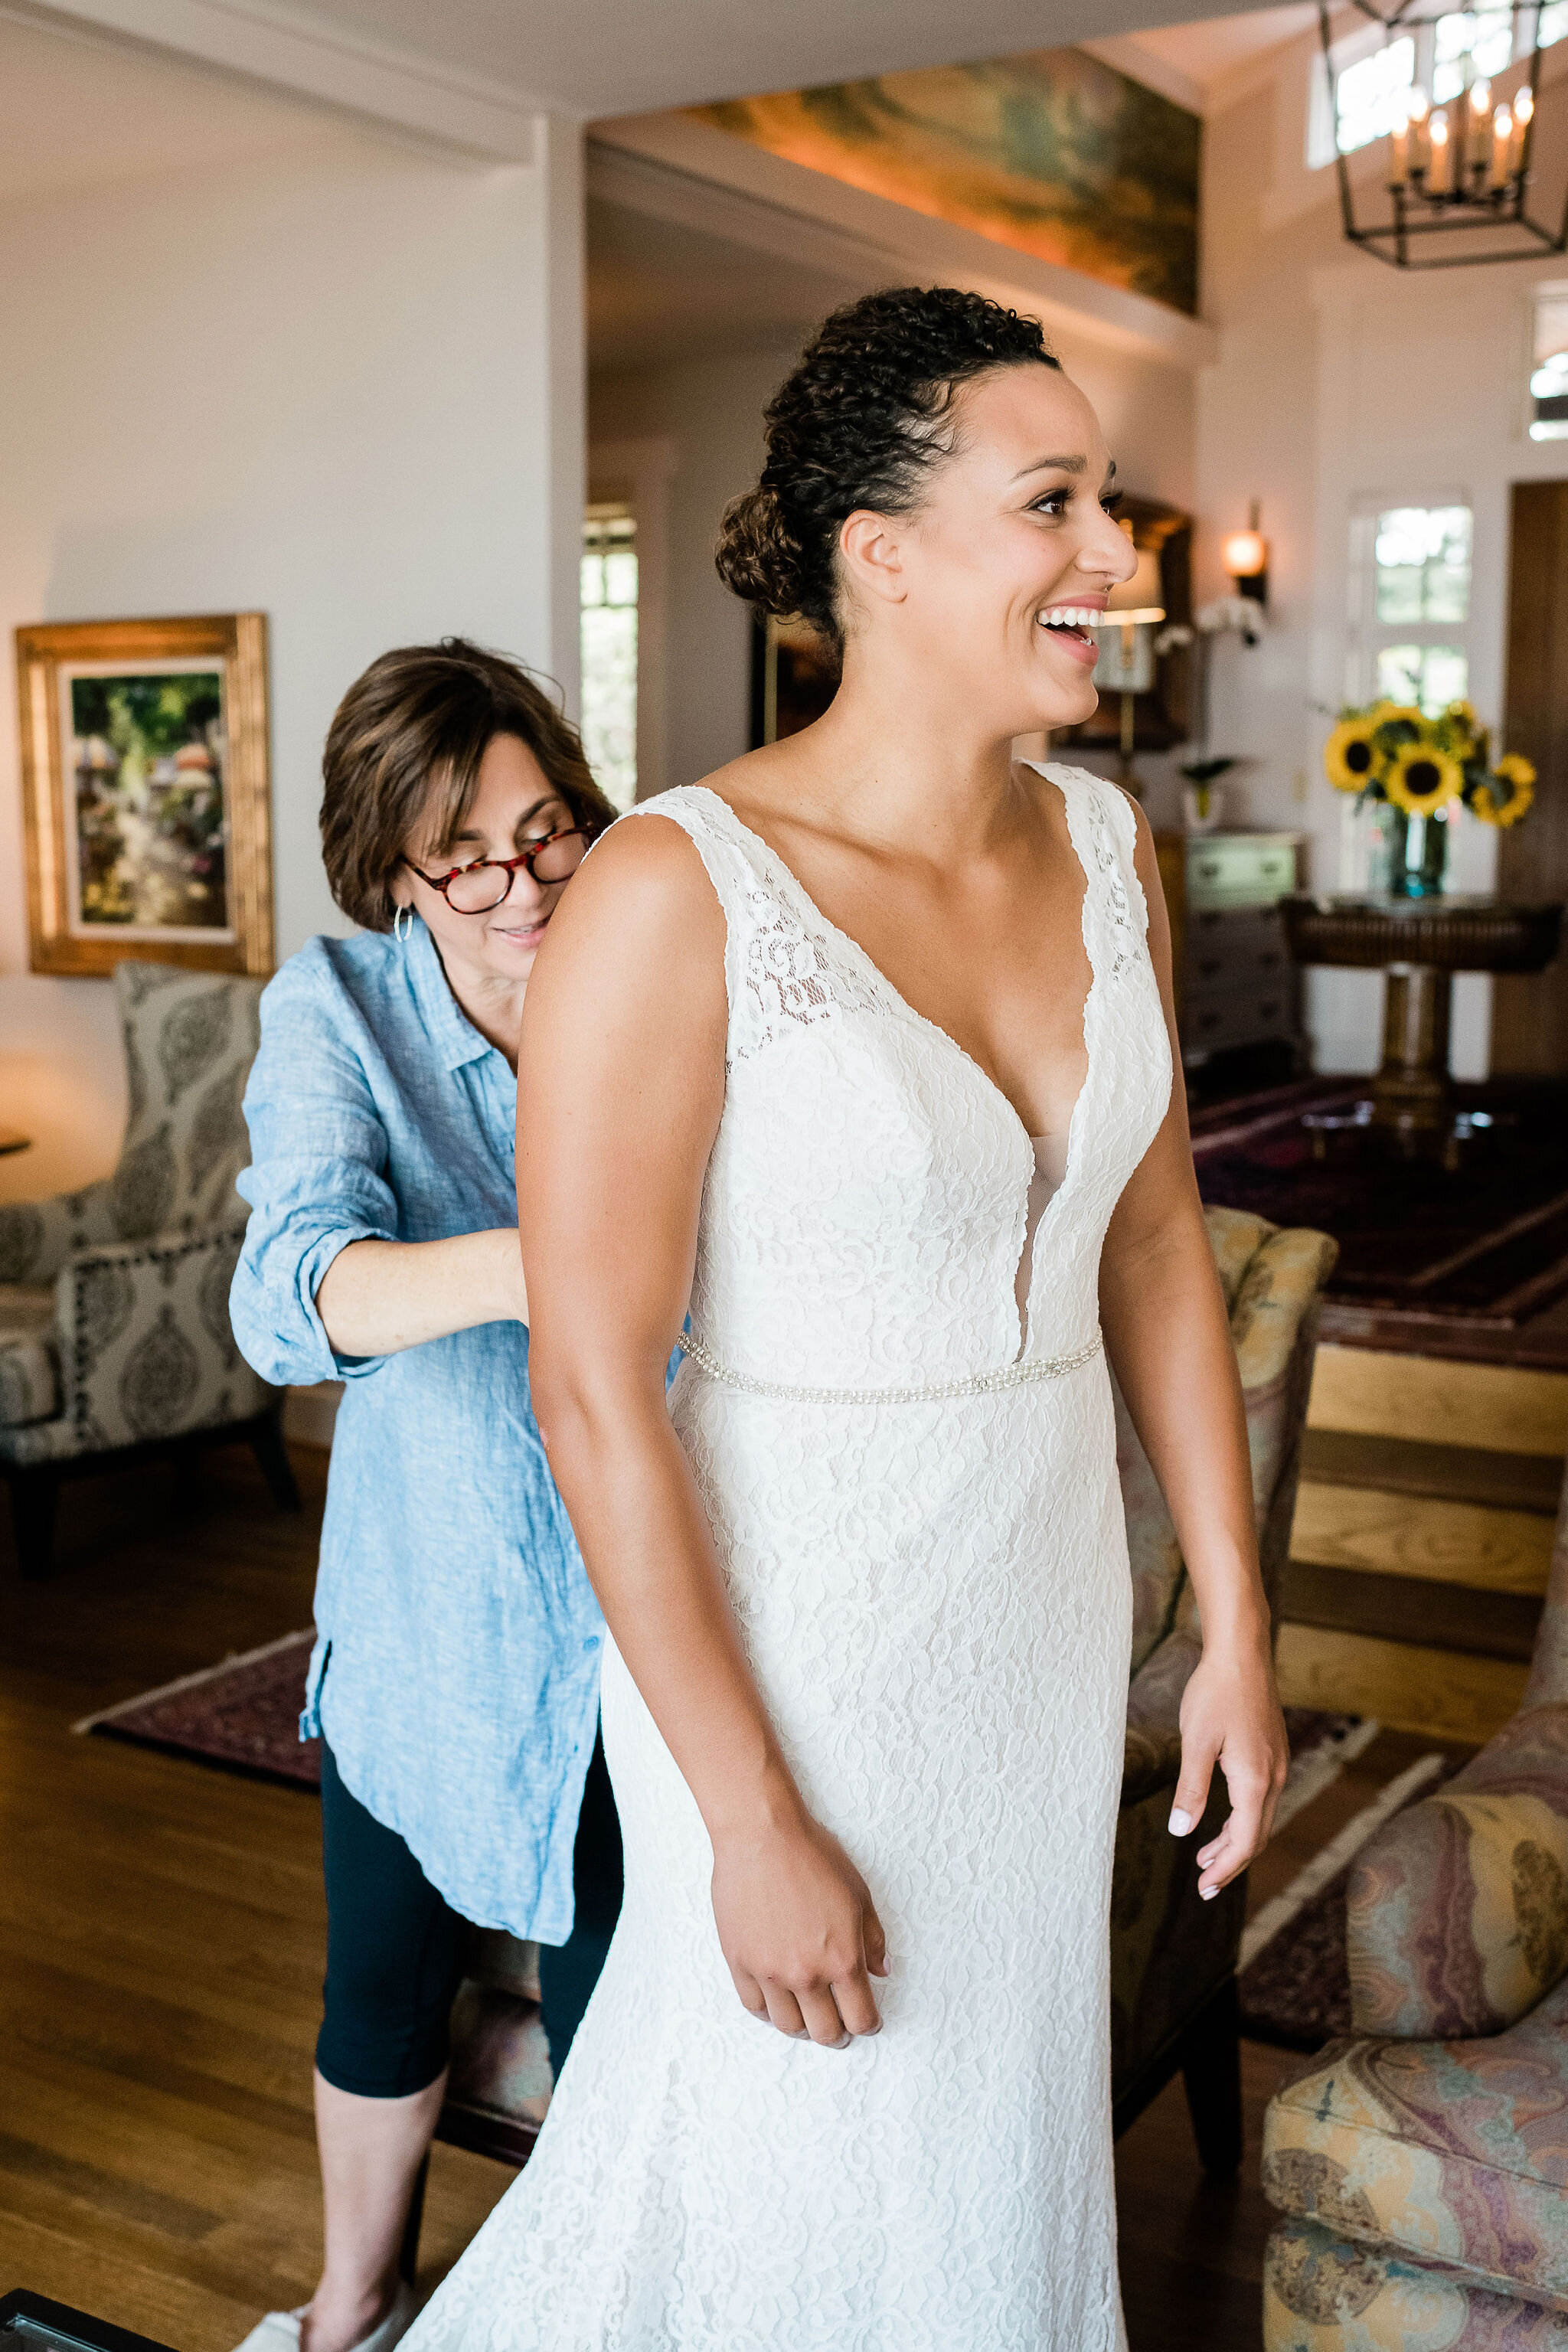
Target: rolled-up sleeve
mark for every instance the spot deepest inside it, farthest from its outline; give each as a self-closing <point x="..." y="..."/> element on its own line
<point x="317" y="1179"/>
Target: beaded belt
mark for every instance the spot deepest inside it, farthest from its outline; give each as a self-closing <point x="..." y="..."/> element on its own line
<point x="1011" y="1376"/>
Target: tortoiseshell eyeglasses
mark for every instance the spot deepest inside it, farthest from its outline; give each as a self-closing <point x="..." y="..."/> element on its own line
<point x="477" y="887"/>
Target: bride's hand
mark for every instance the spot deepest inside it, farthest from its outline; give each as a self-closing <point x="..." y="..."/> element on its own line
<point x="799" y="1931"/>
<point x="1230" y="1716"/>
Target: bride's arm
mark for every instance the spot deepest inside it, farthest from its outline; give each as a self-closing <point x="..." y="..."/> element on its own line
<point x="1167" y="1336"/>
<point x="620" y="1090"/>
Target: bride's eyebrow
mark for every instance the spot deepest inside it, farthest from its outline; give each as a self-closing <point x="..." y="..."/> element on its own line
<point x="1053" y="464"/>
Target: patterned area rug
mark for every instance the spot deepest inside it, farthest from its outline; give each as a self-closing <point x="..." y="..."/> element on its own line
<point x="240" y="1717"/>
<point x="1488" y="1239"/>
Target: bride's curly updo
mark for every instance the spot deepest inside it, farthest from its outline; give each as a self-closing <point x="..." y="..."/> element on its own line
<point x="859" y="423"/>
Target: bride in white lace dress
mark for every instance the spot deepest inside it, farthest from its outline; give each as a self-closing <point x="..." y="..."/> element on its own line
<point x="861" y="1046"/>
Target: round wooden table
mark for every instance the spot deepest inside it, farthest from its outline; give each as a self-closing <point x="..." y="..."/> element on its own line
<point x="1419" y="944"/>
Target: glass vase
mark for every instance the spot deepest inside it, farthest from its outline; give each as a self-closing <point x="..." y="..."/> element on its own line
<point x="1417" y="854"/>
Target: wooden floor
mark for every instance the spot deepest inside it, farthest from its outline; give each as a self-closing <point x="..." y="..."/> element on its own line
<point x="160" y="1946"/>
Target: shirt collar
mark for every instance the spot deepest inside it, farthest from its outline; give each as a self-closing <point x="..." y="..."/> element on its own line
<point x="448" y="1027"/>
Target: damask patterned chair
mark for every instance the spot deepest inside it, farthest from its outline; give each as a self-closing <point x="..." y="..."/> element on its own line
<point x="115" y="1332"/>
<point x="1173" y="1956"/>
<point x="1423" y="2165"/>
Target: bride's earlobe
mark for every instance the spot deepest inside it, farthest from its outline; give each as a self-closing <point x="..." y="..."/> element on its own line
<point x="872" y="557"/>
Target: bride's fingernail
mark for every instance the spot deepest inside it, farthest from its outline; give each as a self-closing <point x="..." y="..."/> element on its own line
<point x="1208" y="1892"/>
<point x="1180" y="1823"/>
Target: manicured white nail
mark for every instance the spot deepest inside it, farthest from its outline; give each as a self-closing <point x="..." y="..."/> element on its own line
<point x="1208" y="1892"/>
<point x="1180" y="1823"/>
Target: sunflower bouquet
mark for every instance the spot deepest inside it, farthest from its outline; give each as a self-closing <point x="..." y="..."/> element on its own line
<point x="1391" y="752"/>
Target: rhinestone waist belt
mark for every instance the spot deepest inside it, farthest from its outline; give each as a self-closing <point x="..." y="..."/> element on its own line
<point x="1011" y="1376"/>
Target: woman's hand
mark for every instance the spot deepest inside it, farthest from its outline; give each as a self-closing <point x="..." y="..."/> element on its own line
<point x="799" y="1930"/>
<point x="1230" y="1716"/>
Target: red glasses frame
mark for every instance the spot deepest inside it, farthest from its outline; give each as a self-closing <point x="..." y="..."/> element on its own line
<point x="507" y="866"/>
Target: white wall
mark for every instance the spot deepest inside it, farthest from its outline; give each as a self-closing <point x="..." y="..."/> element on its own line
<point x="1339" y="377"/>
<point x="709" y="413"/>
<point x="334" y="378"/>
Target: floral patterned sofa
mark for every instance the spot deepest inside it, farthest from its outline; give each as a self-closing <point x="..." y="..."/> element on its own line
<point x="1172" y="1955"/>
<point x="114" y="1331"/>
<point x="1423" y="2166"/>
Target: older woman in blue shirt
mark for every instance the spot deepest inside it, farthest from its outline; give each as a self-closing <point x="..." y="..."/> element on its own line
<point x="455" y="1681"/>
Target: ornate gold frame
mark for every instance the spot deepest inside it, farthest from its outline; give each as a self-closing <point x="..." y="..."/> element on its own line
<point x="239" y="641"/>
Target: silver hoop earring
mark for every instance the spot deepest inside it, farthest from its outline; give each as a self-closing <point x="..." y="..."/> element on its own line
<point x="402" y="924"/>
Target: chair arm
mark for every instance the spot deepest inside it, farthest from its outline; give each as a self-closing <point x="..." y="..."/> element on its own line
<point x="1457" y="1915"/>
<point x="146" y="1350"/>
<point x="37" y="1237"/>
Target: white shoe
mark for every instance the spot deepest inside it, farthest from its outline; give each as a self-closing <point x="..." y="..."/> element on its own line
<point x="280" y="2331"/>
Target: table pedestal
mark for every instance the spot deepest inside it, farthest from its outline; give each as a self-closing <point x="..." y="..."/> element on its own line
<point x="1412" y="1091"/>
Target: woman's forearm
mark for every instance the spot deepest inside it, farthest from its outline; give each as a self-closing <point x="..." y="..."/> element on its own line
<point x="378" y="1297"/>
<point x="649" y="1553"/>
<point x="1169" y="1345"/>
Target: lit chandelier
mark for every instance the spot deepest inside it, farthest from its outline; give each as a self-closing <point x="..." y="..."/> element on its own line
<point x="1458" y="154"/>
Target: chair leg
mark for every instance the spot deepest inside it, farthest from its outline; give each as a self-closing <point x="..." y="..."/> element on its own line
<point x="34" y="1494"/>
<point x="408" y="2252"/>
<point x="272" y="1460"/>
<point x="1211" y="2069"/>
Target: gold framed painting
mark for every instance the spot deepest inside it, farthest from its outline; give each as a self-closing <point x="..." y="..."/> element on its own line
<point x="144" y="780"/>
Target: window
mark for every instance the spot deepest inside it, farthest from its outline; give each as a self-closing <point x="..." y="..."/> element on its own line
<point x="609" y="620"/>
<point x="1411" y="637"/>
<point x="1549" y="365"/>
<point x="1440" y="57"/>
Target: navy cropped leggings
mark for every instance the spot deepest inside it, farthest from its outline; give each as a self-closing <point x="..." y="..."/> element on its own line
<point x="394" y="1947"/>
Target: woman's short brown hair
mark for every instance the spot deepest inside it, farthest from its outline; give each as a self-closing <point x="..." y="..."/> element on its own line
<point x="403" y="751"/>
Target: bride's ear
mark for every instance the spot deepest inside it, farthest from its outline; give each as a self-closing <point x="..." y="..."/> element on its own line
<point x="871" y="555"/>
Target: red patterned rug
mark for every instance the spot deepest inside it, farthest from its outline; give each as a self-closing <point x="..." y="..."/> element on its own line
<point x="1485" y="1242"/>
<point x="242" y="1715"/>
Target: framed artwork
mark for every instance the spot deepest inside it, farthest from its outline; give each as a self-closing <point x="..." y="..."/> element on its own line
<point x="144" y="780"/>
<point x="1052" y="152"/>
<point x="795" y="677"/>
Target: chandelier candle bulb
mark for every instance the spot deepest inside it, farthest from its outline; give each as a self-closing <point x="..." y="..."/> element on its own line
<point x="1437" y="134"/>
<point x="1503" y="145"/>
<point x="1523" y="110"/>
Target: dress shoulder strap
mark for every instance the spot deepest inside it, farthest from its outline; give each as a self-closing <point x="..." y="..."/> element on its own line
<point x="1105" y="834"/>
<point x="781" y="971"/>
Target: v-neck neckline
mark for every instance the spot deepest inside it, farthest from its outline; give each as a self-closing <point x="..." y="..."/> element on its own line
<point x="935" y="1028"/>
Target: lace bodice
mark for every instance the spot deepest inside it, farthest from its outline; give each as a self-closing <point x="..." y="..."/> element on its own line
<point x="865" y="1209"/>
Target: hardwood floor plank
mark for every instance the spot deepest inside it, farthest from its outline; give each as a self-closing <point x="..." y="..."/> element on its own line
<point x="1359" y="1527"/>
<point x="1438" y="1401"/>
<point x="1438" y="1691"/>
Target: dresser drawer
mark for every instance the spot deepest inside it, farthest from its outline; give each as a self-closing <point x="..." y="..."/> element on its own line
<point x="1239" y="1017"/>
<point x="1236" y="948"/>
<point x="1233" y="871"/>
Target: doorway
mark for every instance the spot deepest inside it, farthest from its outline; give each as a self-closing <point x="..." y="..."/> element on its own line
<point x="1529" y="1017"/>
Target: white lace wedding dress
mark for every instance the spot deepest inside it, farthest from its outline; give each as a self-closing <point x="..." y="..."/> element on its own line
<point x="923" y="1539"/>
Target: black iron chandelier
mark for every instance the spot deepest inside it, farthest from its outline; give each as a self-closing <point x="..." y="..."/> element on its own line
<point x="1460" y="153"/>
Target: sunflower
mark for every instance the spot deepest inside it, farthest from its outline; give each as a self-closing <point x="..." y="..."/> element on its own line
<point x="1352" y="760"/>
<point x="1421" y="779"/>
<point x="1519" y="775"/>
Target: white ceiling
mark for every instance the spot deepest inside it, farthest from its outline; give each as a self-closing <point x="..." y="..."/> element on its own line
<point x="601" y="57"/>
<point x="1193" y="63"/>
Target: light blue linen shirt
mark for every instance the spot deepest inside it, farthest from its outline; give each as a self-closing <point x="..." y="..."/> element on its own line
<point x="462" y="1634"/>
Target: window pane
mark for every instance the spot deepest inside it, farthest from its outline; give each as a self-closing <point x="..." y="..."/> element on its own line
<point x="1555" y="23"/>
<point x="1548" y="369"/>
<point x="1366" y="94"/>
<point x="1430" y="677"/>
<point x="1421" y="556"/>
<point x="610" y="651"/>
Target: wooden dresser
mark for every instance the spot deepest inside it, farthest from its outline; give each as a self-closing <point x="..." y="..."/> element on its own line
<point x="1236" y="984"/>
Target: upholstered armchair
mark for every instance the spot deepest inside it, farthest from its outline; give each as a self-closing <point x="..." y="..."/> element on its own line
<point x="1423" y="2164"/>
<point x="1173" y="1956"/>
<point x="114" y="1331"/>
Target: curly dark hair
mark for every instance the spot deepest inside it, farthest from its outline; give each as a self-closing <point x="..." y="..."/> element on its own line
<point x="860" y="424"/>
<point x="403" y="749"/>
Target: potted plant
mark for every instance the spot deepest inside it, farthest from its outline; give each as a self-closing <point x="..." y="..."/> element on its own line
<point x="1416" y="768"/>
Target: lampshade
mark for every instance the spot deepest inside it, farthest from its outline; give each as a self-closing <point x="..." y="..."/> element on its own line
<point x="1244" y="554"/>
<point x="1141" y="598"/>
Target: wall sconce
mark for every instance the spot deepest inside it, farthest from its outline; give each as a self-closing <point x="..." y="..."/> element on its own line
<point x="1244" y="555"/>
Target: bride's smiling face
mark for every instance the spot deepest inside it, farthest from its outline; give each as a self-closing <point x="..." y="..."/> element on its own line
<point x="994" y="580"/>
